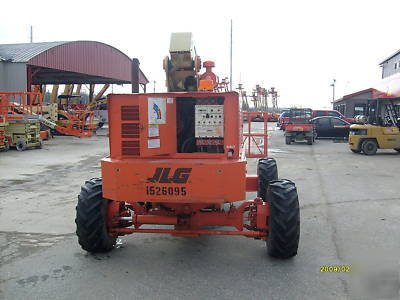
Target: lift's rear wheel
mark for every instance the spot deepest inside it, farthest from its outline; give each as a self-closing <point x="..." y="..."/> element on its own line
<point x="369" y="147"/>
<point x="91" y="218"/>
<point x="20" y="146"/>
<point x="284" y="219"/>
<point x="267" y="171"/>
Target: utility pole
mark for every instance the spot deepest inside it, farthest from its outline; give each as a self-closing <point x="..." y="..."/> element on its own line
<point x="31" y="39"/>
<point x="333" y="90"/>
<point x="154" y="86"/>
<point x="230" y="79"/>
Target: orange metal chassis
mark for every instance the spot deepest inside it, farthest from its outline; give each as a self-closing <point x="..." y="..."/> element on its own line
<point x="213" y="182"/>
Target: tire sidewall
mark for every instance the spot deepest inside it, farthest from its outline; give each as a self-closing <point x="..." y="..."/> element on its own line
<point x="366" y="147"/>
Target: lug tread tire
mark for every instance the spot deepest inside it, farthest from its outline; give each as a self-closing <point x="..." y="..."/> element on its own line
<point x="91" y="212"/>
<point x="267" y="171"/>
<point x="284" y="220"/>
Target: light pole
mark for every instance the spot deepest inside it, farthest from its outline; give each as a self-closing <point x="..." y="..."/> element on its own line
<point x="154" y="86"/>
<point x="333" y="90"/>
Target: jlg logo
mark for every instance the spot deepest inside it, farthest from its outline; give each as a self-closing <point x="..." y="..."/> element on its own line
<point x="161" y="175"/>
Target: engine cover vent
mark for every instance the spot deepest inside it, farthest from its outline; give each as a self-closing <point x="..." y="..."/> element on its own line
<point x="130" y="113"/>
<point x="130" y="148"/>
<point x="130" y="130"/>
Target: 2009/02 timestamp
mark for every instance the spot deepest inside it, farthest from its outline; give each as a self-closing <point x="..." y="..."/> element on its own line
<point x="335" y="269"/>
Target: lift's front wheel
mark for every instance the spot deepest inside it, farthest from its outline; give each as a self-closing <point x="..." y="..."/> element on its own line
<point x="20" y="146"/>
<point x="284" y="219"/>
<point x="91" y="218"/>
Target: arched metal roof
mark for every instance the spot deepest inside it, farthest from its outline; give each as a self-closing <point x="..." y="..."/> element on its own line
<point x="24" y="52"/>
<point x="64" y="62"/>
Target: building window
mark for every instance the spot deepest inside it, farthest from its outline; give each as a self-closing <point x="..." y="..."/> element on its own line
<point x="359" y="109"/>
<point x="342" y="109"/>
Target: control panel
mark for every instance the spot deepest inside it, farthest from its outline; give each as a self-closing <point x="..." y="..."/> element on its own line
<point x="209" y="121"/>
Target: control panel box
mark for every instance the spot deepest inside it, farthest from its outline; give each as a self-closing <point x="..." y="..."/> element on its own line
<point x="209" y="121"/>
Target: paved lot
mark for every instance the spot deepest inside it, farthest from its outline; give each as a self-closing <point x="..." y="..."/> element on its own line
<point x="350" y="215"/>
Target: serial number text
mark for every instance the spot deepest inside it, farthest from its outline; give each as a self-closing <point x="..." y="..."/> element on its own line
<point x="166" y="191"/>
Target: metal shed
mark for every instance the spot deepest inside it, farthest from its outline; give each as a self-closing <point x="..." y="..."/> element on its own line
<point x="75" y="62"/>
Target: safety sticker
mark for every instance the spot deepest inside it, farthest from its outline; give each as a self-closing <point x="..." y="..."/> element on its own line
<point x="154" y="143"/>
<point x="157" y="110"/>
<point x="154" y="130"/>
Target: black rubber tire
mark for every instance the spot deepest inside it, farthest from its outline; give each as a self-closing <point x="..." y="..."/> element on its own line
<point x="20" y="146"/>
<point x="267" y="171"/>
<point x="355" y="151"/>
<point x="284" y="220"/>
<point x="369" y="147"/>
<point x="397" y="149"/>
<point x="91" y="214"/>
<point x="288" y="140"/>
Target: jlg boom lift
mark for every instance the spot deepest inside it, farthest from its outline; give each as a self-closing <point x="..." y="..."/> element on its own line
<point x="177" y="159"/>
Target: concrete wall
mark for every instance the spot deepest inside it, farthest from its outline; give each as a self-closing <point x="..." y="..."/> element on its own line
<point x="391" y="67"/>
<point x="12" y="77"/>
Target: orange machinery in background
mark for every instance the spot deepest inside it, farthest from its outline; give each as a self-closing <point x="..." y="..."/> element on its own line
<point x="4" y="146"/>
<point x="74" y="119"/>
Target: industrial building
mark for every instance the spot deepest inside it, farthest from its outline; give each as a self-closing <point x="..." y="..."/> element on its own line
<point x="74" y="62"/>
<point x="356" y="103"/>
<point x="353" y="104"/>
<point x="391" y="65"/>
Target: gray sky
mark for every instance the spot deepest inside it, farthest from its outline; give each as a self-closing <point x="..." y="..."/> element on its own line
<point x="296" y="46"/>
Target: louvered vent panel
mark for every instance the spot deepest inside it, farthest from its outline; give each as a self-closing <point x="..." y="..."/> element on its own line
<point x="130" y="130"/>
<point x="130" y="148"/>
<point x="130" y="113"/>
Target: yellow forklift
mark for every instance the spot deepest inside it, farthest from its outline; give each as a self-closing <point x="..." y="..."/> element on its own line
<point x="379" y="129"/>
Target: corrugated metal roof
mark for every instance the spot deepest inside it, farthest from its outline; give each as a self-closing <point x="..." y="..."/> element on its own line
<point x="85" y="57"/>
<point x="24" y="52"/>
<point x="391" y="56"/>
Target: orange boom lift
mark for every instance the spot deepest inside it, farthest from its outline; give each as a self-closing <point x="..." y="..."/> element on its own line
<point x="177" y="159"/>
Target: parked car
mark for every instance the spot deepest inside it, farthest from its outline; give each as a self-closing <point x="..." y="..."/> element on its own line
<point x="330" y="113"/>
<point x="331" y="127"/>
<point x="283" y="120"/>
